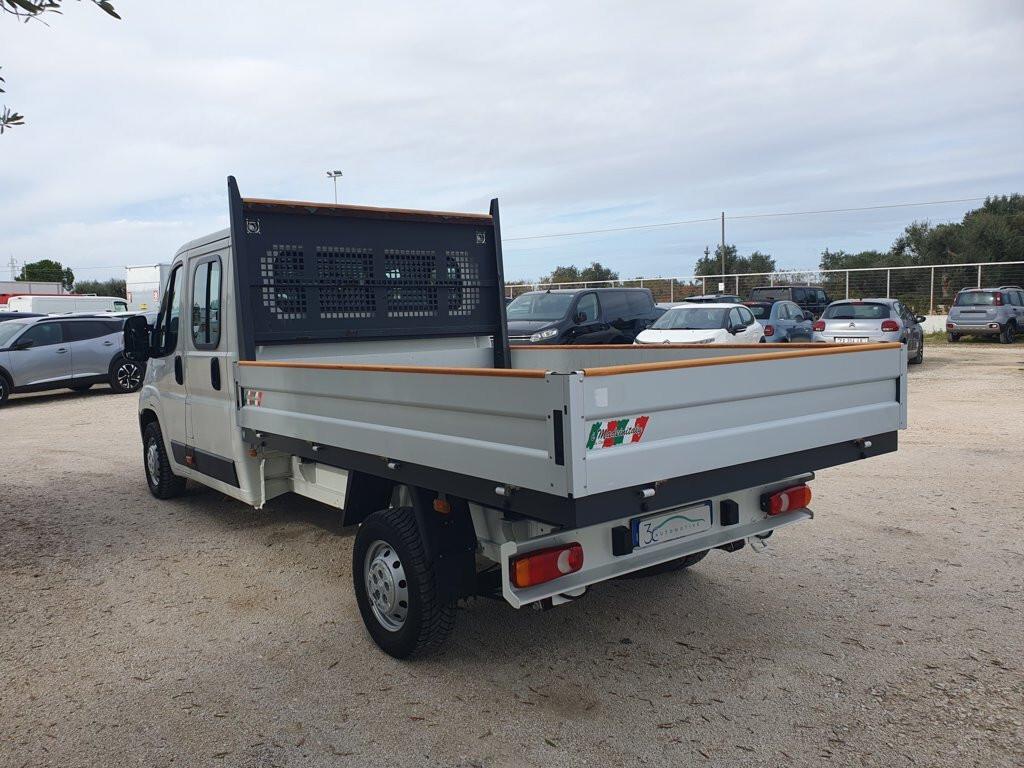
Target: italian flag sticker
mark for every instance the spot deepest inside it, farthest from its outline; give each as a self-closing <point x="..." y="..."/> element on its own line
<point x="605" y="434"/>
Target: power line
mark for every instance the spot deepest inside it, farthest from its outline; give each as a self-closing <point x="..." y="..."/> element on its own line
<point x="744" y="216"/>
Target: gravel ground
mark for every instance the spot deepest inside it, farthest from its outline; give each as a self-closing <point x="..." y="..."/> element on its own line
<point x="887" y="632"/>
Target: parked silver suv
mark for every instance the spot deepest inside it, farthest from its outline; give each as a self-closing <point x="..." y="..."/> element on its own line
<point x="987" y="312"/>
<point x="40" y="353"/>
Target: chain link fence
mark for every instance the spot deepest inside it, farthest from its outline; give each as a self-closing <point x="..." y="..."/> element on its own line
<point x="926" y="290"/>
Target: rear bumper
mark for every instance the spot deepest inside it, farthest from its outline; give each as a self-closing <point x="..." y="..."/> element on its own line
<point x="601" y="564"/>
<point x="985" y="328"/>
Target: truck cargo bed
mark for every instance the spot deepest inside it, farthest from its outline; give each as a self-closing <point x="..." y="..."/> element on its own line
<point x="576" y="435"/>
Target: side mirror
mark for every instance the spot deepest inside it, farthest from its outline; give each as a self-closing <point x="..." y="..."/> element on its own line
<point x="920" y="318"/>
<point x="734" y="328"/>
<point x="580" y="317"/>
<point x="136" y="339"/>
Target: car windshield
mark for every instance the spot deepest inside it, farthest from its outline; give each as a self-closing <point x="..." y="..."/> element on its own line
<point x="539" y="306"/>
<point x="691" y="318"/>
<point x="975" y="299"/>
<point x="856" y="312"/>
<point x="9" y="330"/>
<point x="760" y="311"/>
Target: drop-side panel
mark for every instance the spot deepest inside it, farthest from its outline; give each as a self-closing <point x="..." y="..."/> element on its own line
<point x="647" y="426"/>
<point x="498" y="427"/>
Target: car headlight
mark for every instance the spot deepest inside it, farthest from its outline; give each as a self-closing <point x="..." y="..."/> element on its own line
<point x="541" y="335"/>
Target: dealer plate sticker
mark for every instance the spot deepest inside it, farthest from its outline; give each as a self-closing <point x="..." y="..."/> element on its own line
<point x="607" y="434"/>
<point x="677" y="524"/>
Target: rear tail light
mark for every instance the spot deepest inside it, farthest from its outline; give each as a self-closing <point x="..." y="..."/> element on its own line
<point x="950" y="326"/>
<point x="544" y="565"/>
<point x="769" y="330"/>
<point x="890" y="325"/>
<point x="797" y="497"/>
<point x="998" y="298"/>
<point x="819" y="325"/>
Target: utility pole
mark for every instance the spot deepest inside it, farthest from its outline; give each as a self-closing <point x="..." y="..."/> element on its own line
<point x="14" y="267"/>
<point x="335" y="175"/>
<point x="723" y="245"/>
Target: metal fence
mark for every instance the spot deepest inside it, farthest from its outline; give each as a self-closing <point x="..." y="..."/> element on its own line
<point x="926" y="289"/>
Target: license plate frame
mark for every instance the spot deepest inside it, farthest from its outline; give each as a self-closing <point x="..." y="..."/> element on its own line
<point x="652" y="530"/>
<point x="851" y="339"/>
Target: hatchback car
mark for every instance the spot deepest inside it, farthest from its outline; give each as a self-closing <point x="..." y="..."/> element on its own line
<point x="987" y="312"/>
<point x="41" y="353"/>
<point x="856" y="321"/>
<point x="704" y="324"/>
<point x="783" y="321"/>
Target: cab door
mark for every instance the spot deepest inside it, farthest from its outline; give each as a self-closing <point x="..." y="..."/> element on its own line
<point x="167" y="365"/>
<point x="210" y="402"/>
<point x="40" y="356"/>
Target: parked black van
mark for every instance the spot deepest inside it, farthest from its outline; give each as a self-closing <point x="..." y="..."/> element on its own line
<point x="580" y="316"/>
<point x="810" y="298"/>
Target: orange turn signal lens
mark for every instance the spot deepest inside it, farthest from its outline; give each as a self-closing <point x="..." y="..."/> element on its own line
<point x="797" y="497"/>
<point x="544" y="565"/>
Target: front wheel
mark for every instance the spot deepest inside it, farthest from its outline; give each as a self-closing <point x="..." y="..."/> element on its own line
<point x="918" y="358"/>
<point x="5" y="389"/>
<point x="396" y="586"/>
<point x="163" y="483"/>
<point x="125" y="375"/>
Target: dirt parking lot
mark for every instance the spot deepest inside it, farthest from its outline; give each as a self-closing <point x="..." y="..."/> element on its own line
<point x="887" y="632"/>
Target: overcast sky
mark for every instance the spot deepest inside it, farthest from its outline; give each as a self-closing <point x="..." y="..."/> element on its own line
<point x="576" y="115"/>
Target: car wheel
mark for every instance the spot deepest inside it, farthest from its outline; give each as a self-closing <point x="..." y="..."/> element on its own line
<point x="919" y="357"/>
<point x="396" y="586"/>
<point x="5" y="389"/>
<point x="1007" y="336"/>
<point x="679" y="564"/>
<point x="163" y="483"/>
<point x="953" y="338"/>
<point x="762" y="341"/>
<point x="126" y="375"/>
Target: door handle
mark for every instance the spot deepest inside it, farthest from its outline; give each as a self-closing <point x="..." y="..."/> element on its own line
<point x="108" y="343"/>
<point x="179" y="372"/>
<point x="215" y="373"/>
<point x="62" y="350"/>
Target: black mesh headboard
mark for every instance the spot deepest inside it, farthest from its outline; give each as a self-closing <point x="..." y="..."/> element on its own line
<point x="308" y="272"/>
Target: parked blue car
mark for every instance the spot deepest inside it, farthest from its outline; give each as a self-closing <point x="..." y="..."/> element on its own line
<point x="783" y="321"/>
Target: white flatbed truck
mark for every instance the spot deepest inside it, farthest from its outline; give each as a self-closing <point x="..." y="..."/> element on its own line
<point x="359" y="357"/>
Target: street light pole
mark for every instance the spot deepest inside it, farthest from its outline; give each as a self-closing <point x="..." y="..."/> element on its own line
<point x="335" y="175"/>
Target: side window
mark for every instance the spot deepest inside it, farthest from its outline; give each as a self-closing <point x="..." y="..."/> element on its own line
<point x="206" y="304"/>
<point x="83" y="330"/>
<point x="782" y="311"/>
<point x="822" y="298"/>
<point x="165" y="334"/>
<point x="734" y="316"/>
<point x="588" y="306"/>
<point x="799" y="294"/>
<point x="745" y="316"/>
<point x="640" y="303"/>
<point x="42" y="335"/>
<point x="120" y="306"/>
<point x="1016" y="298"/>
<point x="615" y="305"/>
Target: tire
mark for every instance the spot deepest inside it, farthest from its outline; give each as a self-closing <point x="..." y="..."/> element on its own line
<point x="80" y="387"/>
<point x="762" y="341"/>
<point x="388" y="554"/>
<point x="1007" y="335"/>
<point x="162" y="482"/>
<point x="954" y="338"/>
<point x="5" y="389"/>
<point x="679" y="564"/>
<point x="919" y="357"/>
<point x="126" y="376"/>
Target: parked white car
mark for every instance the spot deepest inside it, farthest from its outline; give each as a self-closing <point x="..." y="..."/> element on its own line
<point x="59" y="305"/>
<point x="704" y="324"/>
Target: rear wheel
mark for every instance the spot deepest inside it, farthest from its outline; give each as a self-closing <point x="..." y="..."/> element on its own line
<point x="679" y="564"/>
<point x="396" y="586"/>
<point x="163" y="483"/>
<point x="125" y="375"/>
<point x="1008" y="334"/>
<point x="953" y="338"/>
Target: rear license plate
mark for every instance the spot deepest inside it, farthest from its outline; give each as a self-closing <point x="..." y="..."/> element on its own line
<point x="677" y="524"/>
<point x="851" y="339"/>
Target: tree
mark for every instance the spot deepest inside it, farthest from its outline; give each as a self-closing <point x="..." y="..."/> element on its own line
<point x="735" y="264"/>
<point x="47" y="271"/>
<point x="111" y="287"/>
<point x="596" y="272"/>
<point x="34" y="10"/>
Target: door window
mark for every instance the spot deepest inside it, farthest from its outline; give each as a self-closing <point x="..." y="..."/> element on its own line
<point x="588" y="306"/>
<point x="83" y="330"/>
<point x="165" y="335"/>
<point x="206" y="304"/>
<point x="734" y="317"/>
<point x="745" y="317"/>
<point x="42" y="335"/>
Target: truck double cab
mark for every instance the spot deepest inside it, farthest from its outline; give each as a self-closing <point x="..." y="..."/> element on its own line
<point x="359" y="357"/>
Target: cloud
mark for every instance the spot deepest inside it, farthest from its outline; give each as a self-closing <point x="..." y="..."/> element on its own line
<point x="578" y="116"/>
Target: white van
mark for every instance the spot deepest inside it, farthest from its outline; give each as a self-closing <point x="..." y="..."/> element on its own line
<point x="60" y="304"/>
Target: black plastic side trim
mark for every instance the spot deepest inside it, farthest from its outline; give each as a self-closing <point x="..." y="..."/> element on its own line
<point x="556" y="422"/>
<point x="209" y="464"/>
<point x="589" y="510"/>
